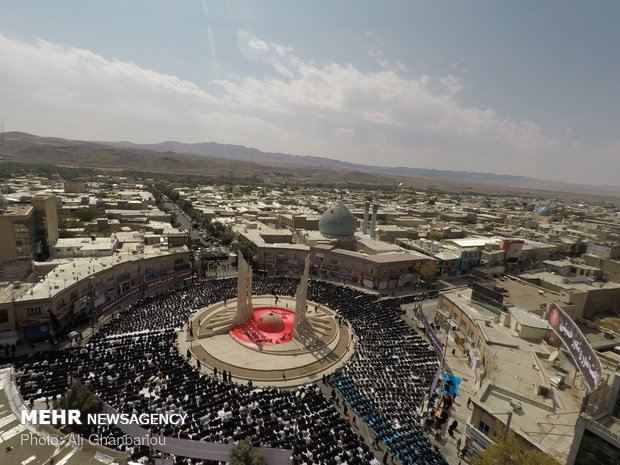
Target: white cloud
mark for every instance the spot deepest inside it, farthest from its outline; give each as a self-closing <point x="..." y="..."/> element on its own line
<point x="333" y="90"/>
<point x="329" y="109"/>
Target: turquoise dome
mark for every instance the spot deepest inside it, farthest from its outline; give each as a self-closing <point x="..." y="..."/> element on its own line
<point x="544" y="211"/>
<point x="337" y="221"/>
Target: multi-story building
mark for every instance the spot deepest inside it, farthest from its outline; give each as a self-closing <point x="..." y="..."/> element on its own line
<point x="519" y="385"/>
<point x="84" y="287"/>
<point x="26" y="230"/>
<point x="597" y="432"/>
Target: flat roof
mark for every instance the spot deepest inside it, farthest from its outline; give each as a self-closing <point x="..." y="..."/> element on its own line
<point x="70" y="271"/>
<point x="526" y="295"/>
<point x="378" y="258"/>
<point x="549" y="428"/>
<point x="461" y="296"/>
<point x="471" y="241"/>
<point x="525" y="318"/>
<point x="558" y="280"/>
<point x="17" y="210"/>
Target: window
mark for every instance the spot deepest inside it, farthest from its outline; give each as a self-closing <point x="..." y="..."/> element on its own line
<point x="32" y="311"/>
<point x="483" y="427"/>
<point x="4" y="315"/>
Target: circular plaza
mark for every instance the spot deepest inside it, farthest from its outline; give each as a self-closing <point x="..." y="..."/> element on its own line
<point x="266" y="349"/>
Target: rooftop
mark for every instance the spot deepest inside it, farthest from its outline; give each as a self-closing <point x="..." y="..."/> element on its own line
<point x="70" y="271"/>
<point x="560" y="281"/>
<point x="526" y="318"/>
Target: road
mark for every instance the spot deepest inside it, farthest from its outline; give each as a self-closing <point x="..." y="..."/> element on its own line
<point x="185" y="223"/>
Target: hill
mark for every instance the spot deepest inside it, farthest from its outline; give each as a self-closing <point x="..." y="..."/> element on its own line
<point x="223" y="161"/>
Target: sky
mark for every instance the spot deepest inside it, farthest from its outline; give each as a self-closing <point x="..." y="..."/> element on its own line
<point x="525" y="88"/>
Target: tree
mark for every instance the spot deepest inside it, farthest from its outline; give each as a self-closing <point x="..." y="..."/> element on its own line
<point x="227" y="236"/>
<point x="427" y="271"/>
<point x="508" y="450"/>
<point x="435" y="236"/>
<point x="244" y="247"/>
<point x="579" y="248"/>
<point x="79" y="397"/>
<point x="86" y="214"/>
<point x="242" y="454"/>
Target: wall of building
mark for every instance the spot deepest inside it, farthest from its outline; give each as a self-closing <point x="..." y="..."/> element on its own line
<point x="45" y="208"/>
<point x="601" y="300"/>
<point x="100" y="287"/>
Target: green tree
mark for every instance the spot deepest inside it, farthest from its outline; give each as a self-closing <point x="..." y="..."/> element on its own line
<point x="244" y="247"/>
<point x="435" y="236"/>
<point x="579" y="248"/>
<point x="86" y="214"/>
<point x="508" y="450"/>
<point x="227" y="236"/>
<point x="79" y="397"/>
<point x="242" y="454"/>
<point x="427" y="271"/>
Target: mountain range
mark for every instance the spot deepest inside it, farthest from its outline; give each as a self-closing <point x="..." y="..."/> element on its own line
<point x="211" y="159"/>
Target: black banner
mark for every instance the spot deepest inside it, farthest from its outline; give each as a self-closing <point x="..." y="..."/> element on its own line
<point x="569" y="333"/>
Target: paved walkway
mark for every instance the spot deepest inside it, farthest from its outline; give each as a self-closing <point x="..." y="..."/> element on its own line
<point x="456" y="365"/>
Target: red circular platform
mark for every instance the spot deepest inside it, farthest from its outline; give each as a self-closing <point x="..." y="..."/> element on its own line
<point x="249" y="332"/>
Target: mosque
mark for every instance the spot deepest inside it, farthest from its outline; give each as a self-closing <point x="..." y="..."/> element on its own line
<point x="337" y="246"/>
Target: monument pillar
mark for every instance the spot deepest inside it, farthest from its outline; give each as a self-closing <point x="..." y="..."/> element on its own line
<point x="301" y="301"/>
<point x="245" y="309"/>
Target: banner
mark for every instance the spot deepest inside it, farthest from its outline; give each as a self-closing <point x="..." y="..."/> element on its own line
<point x="580" y="349"/>
<point x="144" y="287"/>
<point x="432" y="336"/>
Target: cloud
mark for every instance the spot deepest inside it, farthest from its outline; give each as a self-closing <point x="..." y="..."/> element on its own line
<point x="326" y="109"/>
<point x="342" y="91"/>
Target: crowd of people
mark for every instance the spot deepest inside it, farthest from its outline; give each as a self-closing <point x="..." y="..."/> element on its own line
<point x="133" y="365"/>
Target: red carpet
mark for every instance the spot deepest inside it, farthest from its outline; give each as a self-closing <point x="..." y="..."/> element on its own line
<point x="250" y="331"/>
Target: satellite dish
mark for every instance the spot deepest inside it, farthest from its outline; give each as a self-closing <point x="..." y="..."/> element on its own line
<point x="554" y="356"/>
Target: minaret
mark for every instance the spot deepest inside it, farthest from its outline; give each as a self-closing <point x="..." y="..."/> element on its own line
<point x="373" y="223"/>
<point x="366" y="211"/>
<point x="301" y="302"/>
<point x="245" y="310"/>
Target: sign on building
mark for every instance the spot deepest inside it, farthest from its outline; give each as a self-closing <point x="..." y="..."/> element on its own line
<point x="580" y="349"/>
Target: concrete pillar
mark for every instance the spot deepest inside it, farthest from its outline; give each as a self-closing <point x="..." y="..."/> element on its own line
<point x="301" y="302"/>
<point x="245" y="309"/>
<point x="373" y="224"/>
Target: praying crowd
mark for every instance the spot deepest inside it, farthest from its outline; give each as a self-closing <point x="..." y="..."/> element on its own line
<point x="132" y="363"/>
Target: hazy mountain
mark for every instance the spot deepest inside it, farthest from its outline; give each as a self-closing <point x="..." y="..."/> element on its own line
<point x="241" y="153"/>
<point x="216" y="161"/>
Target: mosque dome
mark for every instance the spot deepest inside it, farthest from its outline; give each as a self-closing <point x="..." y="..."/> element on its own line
<point x="271" y="323"/>
<point x="337" y="221"/>
<point x="544" y="211"/>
